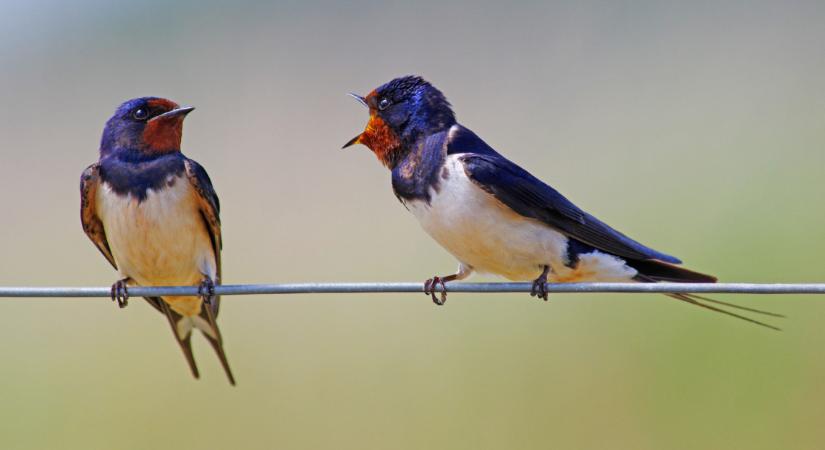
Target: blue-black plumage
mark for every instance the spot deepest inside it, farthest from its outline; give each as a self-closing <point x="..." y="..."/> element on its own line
<point x="492" y="215"/>
<point x="153" y="213"/>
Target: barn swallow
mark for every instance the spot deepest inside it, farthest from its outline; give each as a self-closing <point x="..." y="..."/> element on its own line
<point x="494" y="216"/>
<point x="152" y="212"/>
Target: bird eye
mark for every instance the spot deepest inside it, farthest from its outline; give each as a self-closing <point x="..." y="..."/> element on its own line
<point x="383" y="104"/>
<point x="140" y="114"/>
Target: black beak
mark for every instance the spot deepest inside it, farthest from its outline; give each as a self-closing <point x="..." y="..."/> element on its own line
<point x="182" y="112"/>
<point x="353" y="141"/>
<point x="360" y="99"/>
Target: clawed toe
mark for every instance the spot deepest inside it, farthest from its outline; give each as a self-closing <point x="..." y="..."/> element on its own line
<point x="430" y="288"/>
<point x="539" y="288"/>
<point x="206" y="290"/>
<point x="120" y="293"/>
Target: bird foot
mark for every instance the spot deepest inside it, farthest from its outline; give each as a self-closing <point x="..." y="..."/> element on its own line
<point x="539" y="289"/>
<point x="430" y="289"/>
<point x="206" y="290"/>
<point x="120" y="293"/>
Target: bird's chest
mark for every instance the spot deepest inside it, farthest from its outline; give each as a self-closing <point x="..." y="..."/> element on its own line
<point x="482" y="232"/>
<point x="158" y="239"/>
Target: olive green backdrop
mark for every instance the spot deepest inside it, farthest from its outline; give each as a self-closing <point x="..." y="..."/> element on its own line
<point x="697" y="128"/>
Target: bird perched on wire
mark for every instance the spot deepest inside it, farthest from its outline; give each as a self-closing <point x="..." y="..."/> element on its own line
<point x="152" y="212"/>
<point x="491" y="214"/>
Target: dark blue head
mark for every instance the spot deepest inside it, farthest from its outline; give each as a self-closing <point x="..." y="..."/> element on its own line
<point x="402" y="112"/>
<point x="146" y="126"/>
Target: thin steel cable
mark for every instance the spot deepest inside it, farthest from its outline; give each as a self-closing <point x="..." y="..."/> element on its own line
<point x="363" y="288"/>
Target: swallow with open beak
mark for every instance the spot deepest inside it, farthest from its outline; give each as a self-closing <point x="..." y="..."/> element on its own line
<point x="494" y="216"/>
<point x="152" y="212"/>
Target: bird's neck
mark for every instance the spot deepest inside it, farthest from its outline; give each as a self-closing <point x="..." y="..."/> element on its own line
<point x="401" y="150"/>
<point x="393" y="148"/>
<point x="392" y="157"/>
<point x="134" y="173"/>
<point x="133" y="154"/>
<point x="417" y="171"/>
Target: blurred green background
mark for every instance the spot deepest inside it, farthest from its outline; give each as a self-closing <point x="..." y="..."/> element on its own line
<point x="696" y="127"/>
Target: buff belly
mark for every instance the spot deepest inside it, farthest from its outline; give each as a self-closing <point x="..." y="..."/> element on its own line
<point x="160" y="241"/>
<point x="483" y="233"/>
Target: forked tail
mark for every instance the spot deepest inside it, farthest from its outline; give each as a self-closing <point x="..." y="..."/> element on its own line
<point x="182" y="330"/>
<point x="653" y="271"/>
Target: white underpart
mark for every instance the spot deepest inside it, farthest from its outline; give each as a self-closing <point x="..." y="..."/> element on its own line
<point x="483" y="233"/>
<point x="161" y="241"/>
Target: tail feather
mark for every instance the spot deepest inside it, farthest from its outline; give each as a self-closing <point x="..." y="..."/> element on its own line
<point x="182" y="330"/>
<point x="661" y="271"/>
<point x="733" y="305"/>
<point x="183" y="339"/>
<point x="210" y="331"/>
<point x="692" y="299"/>
<point x="652" y="271"/>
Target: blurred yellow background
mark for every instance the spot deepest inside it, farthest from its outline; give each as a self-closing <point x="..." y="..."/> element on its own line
<point x="697" y="129"/>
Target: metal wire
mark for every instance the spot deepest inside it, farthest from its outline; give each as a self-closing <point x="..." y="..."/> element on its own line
<point x="374" y="288"/>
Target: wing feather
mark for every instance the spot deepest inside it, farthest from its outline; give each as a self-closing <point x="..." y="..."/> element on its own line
<point x="92" y="225"/>
<point x="530" y="197"/>
<point x="210" y="212"/>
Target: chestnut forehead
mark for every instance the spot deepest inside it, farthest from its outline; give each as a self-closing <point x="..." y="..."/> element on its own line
<point x="372" y="98"/>
<point x="162" y="103"/>
<point x="376" y="95"/>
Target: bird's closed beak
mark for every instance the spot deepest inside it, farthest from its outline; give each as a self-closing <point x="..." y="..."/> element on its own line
<point x="178" y="112"/>
<point x="356" y="139"/>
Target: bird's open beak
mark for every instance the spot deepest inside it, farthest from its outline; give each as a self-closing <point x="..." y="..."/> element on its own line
<point x="356" y="139"/>
<point x="178" y="112"/>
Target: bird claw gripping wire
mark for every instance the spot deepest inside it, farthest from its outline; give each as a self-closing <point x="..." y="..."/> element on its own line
<point x="206" y="290"/>
<point x="539" y="289"/>
<point x="430" y="289"/>
<point x="120" y="293"/>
